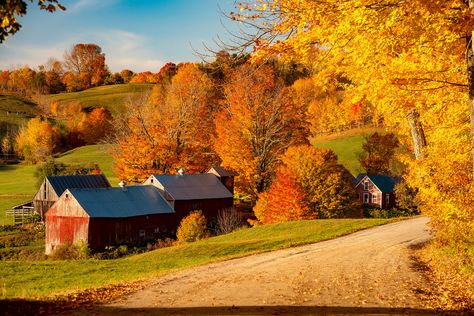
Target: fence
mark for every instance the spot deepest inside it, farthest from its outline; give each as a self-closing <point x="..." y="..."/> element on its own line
<point x="22" y="215"/>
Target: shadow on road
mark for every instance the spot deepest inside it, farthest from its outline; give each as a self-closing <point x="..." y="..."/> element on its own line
<point x="24" y="307"/>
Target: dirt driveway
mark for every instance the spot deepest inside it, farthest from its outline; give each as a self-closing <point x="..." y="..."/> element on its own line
<point x="368" y="272"/>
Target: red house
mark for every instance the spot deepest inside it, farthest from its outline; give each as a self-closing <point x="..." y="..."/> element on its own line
<point x="376" y="190"/>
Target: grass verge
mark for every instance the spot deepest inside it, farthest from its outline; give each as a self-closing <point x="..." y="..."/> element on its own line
<point x="33" y="279"/>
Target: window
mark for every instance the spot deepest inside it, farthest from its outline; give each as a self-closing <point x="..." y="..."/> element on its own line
<point x="387" y="198"/>
<point x="141" y="233"/>
<point x="366" y="185"/>
<point x="374" y="198"/>
<point x="151" y="180"/>
<point x="366" y="197"/>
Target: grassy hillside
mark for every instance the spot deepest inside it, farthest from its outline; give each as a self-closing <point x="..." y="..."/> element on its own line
<point x="48" y="277"/>
<point x="111" y="97"/>
<point x="347" y="146"/>
<point x="18" y="183"/>
<point x="14" y="111"/>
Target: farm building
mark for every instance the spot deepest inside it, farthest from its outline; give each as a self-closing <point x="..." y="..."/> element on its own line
<point x="225" y="176"/>
<point x="188" y="192"/>
<point x="108" y="216"/>
<point x="53" y="186"/>
<point x="377" y="190"/>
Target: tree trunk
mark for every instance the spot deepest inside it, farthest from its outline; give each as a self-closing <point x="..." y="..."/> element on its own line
<point x="417" y="133"/>
<point x="470" y="83"/>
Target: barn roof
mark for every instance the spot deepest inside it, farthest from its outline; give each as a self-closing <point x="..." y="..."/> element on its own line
<point x="122" y="202"/>
<point x="222" y="172"/>
<point x="61" y="183"/>
<point x="384" y="183"/>
<point x="193" y="186"/>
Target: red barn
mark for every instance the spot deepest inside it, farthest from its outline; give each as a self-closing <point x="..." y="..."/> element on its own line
<point x="188" y="192"/>
<point x="377" y="191"/>
<point x="108" y="216"/>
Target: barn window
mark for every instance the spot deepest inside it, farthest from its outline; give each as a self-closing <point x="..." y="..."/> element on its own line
<point x="374" y="198"/>
<point x="141" y="233"/>
<point x="366" y="185"/>
<point x="151" y="180"/>
<point x="157" y="230"/>
<point x="44" y="189"/>
<point x="387" y="198"/>
<point x="366" y="197"/>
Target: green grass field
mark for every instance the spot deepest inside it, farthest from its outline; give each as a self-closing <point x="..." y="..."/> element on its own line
<point x="111" y="97"/>
<point x="27" y="279"/>
<point x="347" y="146"/>
<point x="18" y="183"/>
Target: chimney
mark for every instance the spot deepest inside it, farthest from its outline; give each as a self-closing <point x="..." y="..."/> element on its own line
<point x="180" y="171"/>
<point x="122" y="184"/>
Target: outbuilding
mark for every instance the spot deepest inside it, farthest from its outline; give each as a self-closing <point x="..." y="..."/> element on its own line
<point x="189" y="192"/>
<point x="104" y="217"/>
<point x="377" y="190"/>
<point x="53" y="186"/>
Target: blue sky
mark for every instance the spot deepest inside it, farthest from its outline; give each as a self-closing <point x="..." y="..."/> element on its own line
<point x="134" y="34"/>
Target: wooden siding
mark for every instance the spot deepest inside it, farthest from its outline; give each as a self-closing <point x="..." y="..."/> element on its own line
<point x="44" y="198"/>
<point x="210" y="208"/>
<point x="66" y="223"/>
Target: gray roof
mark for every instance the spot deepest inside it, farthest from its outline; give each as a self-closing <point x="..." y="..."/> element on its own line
<point x="122" y="202"/>
<point x="61" y="183"/>
<point x="386" y="184"/>
<point x="193" y="186"/>
<point x="221" y="171"/>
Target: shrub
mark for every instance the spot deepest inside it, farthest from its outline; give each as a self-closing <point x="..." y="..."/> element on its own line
<point x="228" y="220"/>
<point x="406" y="198"/>
<point x="192" y="227"/>
<point x="76" y="251"/>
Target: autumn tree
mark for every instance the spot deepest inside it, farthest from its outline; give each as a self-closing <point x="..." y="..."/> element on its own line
<point x="171" y="129"/>
<point x="284" y="201"/>
<point x="86" y="63"/>
<point x="95" y="126"/>
<point x="127" y="75"/>
<point x="36" y="141"/>
<point x="10" y="10"/>
<point x="258" y="123"/>
<point x="378" y="153"/>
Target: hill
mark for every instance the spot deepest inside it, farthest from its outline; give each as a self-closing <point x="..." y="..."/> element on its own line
<point x="14" y="111"/>
<point x="18" y="182"/>
<point x="111" y="97"/>
<point x="347" y="146"/>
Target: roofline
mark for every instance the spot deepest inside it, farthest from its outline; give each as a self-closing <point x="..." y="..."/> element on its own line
<point x="367" y="176"/>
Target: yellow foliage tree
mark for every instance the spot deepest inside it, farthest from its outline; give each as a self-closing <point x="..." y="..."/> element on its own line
<point x="36" y="141"/>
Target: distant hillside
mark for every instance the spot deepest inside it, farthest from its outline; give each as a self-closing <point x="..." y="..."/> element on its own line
<point x="14" y="111"/>
<point x="111" y="97"/>
<point x="347" y="146"/>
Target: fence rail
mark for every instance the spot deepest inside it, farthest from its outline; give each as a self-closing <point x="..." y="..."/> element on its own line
<point x="22" y="215"/>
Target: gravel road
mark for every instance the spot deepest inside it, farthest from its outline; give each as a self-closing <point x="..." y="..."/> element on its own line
<point x="368" y="272"/>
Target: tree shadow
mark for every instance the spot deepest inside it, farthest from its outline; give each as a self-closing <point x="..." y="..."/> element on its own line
<point x="30" y="307"/>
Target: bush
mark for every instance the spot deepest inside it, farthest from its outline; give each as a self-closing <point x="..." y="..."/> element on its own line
<point x="382" y="213"/>
<point x="76" y="251"/>
<point x="228" y="220"/>
<point x="192" y="228"/>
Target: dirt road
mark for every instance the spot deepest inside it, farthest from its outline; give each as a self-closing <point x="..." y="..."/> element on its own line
<point x="368" y="272"/>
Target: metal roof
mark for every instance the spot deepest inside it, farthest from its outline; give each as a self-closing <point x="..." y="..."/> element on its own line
<point x="384" y="183"/>
<point x="61" y="183"/>
<point x="124" y="202"/>
<point x="193" y="186"/>
<point x="222" y="172"/>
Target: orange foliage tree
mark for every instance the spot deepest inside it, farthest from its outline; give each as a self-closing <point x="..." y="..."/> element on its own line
<point x="171" y="130"/>
<point x="258" y="123"/>
<point x="309" y="184"/>
<point x="95" y="126"/>
<point x="284" y="201"/>
<point x="36" y="141"/>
